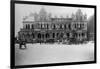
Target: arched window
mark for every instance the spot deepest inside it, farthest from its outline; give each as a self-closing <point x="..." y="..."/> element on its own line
<point x="60" y="26"/>
<point x="33" y="35"/>
<point x="43" y="26"/>
<point x="53" y="35"/>
<point x="69" y="26"/>
<point x="42" y="36"/>
<point x="54" y="26"/>
<point x="67" y="34"/>
<point x="47" y="35"/>
<point x="40" y="26"/>
<point x="32" y="26"/>
<point x="82" y="34"/>
<point x="82" y="25"/>
<point x="74" y="35"/>
<point x="28" y="26"/>
<point x="81" y="18"/>
<point x="75" y="25"/>
<point x="65" y="26"/>
<point x="57" y="34"/>
<point x="61" y="35"/>
<point x="39" y="35"/>
<point x="47" y="26"/>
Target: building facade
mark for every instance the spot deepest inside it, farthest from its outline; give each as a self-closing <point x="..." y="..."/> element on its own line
<point x="42" y="27"/>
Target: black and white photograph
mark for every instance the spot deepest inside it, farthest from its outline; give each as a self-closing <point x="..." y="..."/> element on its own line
<point x="50" y="34"/>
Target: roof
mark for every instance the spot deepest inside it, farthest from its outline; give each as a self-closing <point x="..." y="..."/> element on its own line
<point x="61" y="19"/>
<point x="30" y="18"/>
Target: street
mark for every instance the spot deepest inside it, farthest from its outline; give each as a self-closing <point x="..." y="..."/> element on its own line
<point x="53" y="53"/>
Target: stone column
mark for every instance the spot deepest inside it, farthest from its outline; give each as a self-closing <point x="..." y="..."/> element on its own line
<point x="53" y="34"/>
<point x="85" y="35"/>
<point x="50" y="35"/>
<point x="80" y="36"/>
<point x="70" y="34"/>
<point x="72" y="26"/>
<point x="36" y="34"/>
<point x="50" y="26"/>
<point x="30" y="26"/>
<point x="64" y="36"/>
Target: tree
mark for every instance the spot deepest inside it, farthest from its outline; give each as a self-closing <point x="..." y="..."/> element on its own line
<point x="90" y="27"/>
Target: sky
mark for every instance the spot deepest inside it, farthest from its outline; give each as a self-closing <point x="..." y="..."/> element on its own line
<point x="22" y="10"/>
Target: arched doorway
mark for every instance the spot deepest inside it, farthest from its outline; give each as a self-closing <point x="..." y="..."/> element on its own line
<point x="53" y="35"/>
<point x="28" y="26"/>
<point x="67" y="35"/>
<point x="47" y="35"/>
<point x="33" y="35"/>
<point x="61" y="35"/>
<point x="32" y="26"/>
<point x="39" y="35"/>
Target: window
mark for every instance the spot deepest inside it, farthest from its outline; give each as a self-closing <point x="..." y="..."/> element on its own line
<point x="54" y="26"/>
<point x="67" y="34"/>
<point x="65" y="26"/>
<point x="47" y="26"/>
<point x="57" y="34"/>
<point x="53" y="35"/>
<point x="57" y="26"/>
<point x="32" y="26"/>
<point x="51" y="26"/>
<point x="47" y="35"/>
<point x="69" y="26"/>
<point x="60" y="26"/>
<point x="61" y="35"/>
<point x="39" y="35"/>
<point x="28" y="26"/>
<point x="82" y="34"/>
<point x="42" y="25"/>
<point x="33" y="35"/>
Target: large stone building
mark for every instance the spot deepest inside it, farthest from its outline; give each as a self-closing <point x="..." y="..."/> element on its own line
<point x="43" y="27"/>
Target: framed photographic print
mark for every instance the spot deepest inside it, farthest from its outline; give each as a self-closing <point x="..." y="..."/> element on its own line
<point x="52" y="34"/>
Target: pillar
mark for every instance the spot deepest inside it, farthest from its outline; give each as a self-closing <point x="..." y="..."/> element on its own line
<point x="70" y="34"/>
<point x="50" y="35"/>
<point x="78" y="36"/>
